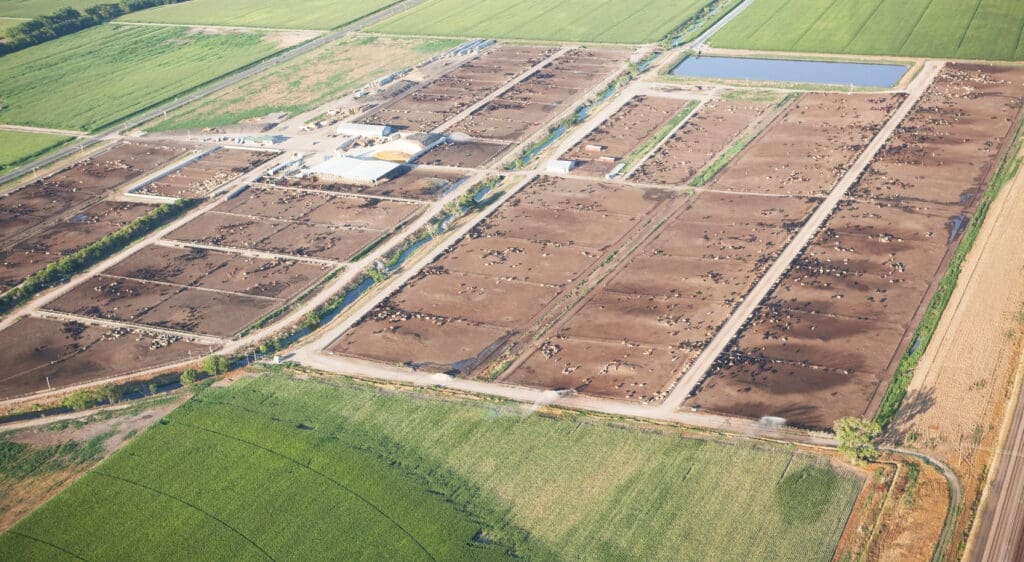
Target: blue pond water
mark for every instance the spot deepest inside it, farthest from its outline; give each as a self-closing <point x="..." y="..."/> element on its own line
<point x="802" y="71"/>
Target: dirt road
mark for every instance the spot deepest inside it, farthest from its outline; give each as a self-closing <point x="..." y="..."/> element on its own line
<point x="684" y="387"/>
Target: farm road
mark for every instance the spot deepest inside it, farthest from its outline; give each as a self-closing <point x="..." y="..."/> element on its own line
<point x="684" y="387"/>
<point x="229" y="80"/>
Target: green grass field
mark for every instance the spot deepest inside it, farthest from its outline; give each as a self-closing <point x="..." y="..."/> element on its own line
<point x="275" y="467"/>
<point x="592" y="21"/>
<point x="968" y="29"/>
<point x="17" y="147"/>
<point x="306" y="82"/>
<point x="300" y="14"/>
<point x="33" y="8"/>
<point x="8" y="23"/>
<point x="94" y="77"/>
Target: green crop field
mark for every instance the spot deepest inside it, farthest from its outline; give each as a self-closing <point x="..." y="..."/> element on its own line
<point x="281" y="468"/>
<point x="597" y="21"/>
<point x="16" y="146"/>
<point x="33" y="8"/>
<point x="975" y="29"/>
<point x="94" y="77"/>
<point x="300" y="14"/>
<point x="306" y="82"/>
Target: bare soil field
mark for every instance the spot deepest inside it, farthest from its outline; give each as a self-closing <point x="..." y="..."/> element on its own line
<point x="31" y="254"/>
<point x="693" y="146"/>
<point x="471" y="154"/>
<point x="429" y="106"/>
<point x="414" y="183"/>
<point x="825" y="342"/>
<point x="494" y="283"/>
<point x="86" y="181"/>
<point x="809" y="147"/>
<point x="634" y="335"/>
<point x="205" y="174"/>
<point x="190" y="290"/>
<point x="524" y="107"/>
<point x="69" y="353"/>
<point x="296" y="223"/>
<point x="611" y="141"/>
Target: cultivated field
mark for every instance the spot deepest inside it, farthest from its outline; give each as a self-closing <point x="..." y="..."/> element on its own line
<point x="17" y="147"/>
<point x="825" y="343"/>
<point x="33" y="8"/>
<point x="453" y="479"/>
<point x="65" y="211"/>
<point x="604" y="21"/>
<point x="91" y="78"/>
<point x="301" y="14"/>
<point x="306" y="82"/>
<point x="495" y="283"/>
<point x="985" y="29"/>
<point x="39" y="353"/>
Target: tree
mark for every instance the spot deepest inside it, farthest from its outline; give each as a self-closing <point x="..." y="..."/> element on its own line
<point x="188" y="376"/>
<point x="111" y="393"/>
<point x="216" y="365"/>
<point x="80" y="400"/>
<point x="856" y="438"/>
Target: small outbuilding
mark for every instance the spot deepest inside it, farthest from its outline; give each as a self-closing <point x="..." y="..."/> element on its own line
<point x="560" y="166"/>
<point x="364" y="130"/>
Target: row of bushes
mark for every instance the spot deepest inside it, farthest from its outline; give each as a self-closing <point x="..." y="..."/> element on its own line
<point x="66" y="21"/>
<point x="61" y="270"/>
<point x="211" y="366"/>
<point x="926" y="329"/>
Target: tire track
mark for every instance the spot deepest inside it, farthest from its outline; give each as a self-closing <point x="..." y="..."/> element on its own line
<point x="49" y="544"/>
<point x="322" y="475"/>
<point x="193" y="506"/>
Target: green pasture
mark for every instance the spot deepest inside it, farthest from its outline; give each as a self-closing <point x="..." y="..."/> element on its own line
<point x="296" y="14"/>
<point x="33" y="8"/>
<point x="17" y="147"/>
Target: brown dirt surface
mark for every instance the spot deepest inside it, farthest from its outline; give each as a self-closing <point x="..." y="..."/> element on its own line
<point x="470" y="154"/>
<point x="70" y="353"/>
<point x="525" y="106"/>
<point x="319" y="208"/>
<point x="654" y="315"/>
<point x="505" y="274"/>
<point x="826" y="341"/>
<point x="611" y="141"/>
<point x="692" y="147"/>
<point x="808" y="148"/>
<point x="208" y="172"/>
<point x="913" y="518"/>
<point x="20" y="497"/>
<point x="429" y="106"/>
<point x="66" y="237"/>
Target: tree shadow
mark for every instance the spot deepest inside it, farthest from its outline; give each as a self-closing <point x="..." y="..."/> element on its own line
<point x="916" y="403"/>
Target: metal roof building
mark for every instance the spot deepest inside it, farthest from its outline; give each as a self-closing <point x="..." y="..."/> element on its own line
<point x="354" y="170"/>
<point x="364" y="130"/>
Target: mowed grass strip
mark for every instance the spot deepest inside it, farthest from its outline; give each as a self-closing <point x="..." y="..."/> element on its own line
<point x="596" y="21"/>
<point x="295" y="14"/>
<point x="33" y="8"/>
<point x="94" y="77"/>
<point x="17" y="147"/>
<point x="300" y="469"/>
<point x="961" y="29"/>
<point x="306" y="82"/>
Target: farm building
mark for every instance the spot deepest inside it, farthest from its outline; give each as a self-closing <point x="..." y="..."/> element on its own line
<point x="561" y="166"/>
<point x="354" y="170"/>
<point x="363" y="130"/>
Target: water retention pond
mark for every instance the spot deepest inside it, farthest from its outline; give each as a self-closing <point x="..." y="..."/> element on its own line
<point x="800" y="71"/>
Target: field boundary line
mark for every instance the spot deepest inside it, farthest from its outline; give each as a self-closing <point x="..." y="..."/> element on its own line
<point x="813" y="25"/>
<point x="318" y="473"/>
<point x="967" y="28"/>
<point x="189" y="504"/>
<point x="766" y="21"/>
<point x="920" y="18"/>
<point x="218" y="27"/>
<point x="47" y="543"/>
<point x="856" y="34"/>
